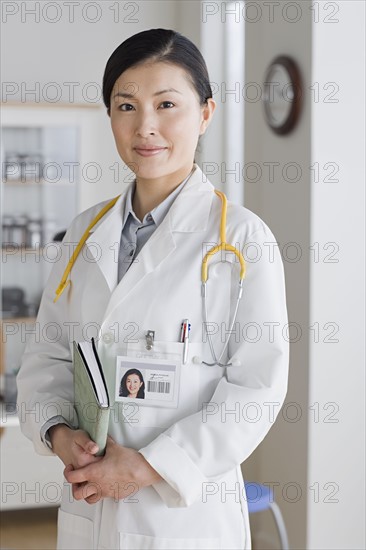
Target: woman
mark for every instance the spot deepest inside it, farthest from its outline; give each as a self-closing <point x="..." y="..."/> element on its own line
<point x="171" y="474"/>
<point x="132" y="384"/>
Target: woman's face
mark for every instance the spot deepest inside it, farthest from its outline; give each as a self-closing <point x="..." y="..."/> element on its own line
<point x="133" y="383"/>
<point x="144" y="114"/>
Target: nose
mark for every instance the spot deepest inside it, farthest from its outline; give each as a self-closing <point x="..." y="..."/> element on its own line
<point x="146" y="124"/>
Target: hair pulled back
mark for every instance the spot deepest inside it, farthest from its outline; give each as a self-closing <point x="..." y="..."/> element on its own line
<point x="157" y="45"/>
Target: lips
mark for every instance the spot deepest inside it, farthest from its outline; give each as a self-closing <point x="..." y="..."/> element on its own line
<point x="149" y="148"/>
<point x="149" y="151"/>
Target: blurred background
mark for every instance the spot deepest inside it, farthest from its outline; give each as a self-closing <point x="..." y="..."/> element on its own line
<point x="58" y="157"/>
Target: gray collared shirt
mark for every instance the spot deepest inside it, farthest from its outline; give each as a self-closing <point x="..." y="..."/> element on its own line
<point x="135" y="233"/>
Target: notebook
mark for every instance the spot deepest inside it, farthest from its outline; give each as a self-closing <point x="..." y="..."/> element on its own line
<point x="92" y="402"/>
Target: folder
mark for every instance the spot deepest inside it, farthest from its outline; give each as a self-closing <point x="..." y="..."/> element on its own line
<point x="92" y="402"/>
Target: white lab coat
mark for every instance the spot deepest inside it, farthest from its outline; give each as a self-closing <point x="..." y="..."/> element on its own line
<point x="223" y="414"/>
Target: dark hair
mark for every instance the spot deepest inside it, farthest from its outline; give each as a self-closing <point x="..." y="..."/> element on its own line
<point x="157" y="45"/>
<point x="123" y="391"/>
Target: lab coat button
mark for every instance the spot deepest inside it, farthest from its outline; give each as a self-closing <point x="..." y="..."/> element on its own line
<point x="107" y="338"/>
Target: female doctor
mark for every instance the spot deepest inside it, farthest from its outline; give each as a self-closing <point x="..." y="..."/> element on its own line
<point x="170" y="477"/>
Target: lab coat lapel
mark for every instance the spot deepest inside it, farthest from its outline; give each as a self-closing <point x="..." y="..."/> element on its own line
<point x="189" y="213"/>
<point x="158" y="247"/>
<point x="103" y="243"/>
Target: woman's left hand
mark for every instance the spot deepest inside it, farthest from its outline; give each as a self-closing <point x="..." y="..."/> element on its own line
<point x="121" y="473"/>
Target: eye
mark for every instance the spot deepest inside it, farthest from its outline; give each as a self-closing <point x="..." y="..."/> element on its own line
<point x="169" y="102"/>
<point x="125" y="105"/>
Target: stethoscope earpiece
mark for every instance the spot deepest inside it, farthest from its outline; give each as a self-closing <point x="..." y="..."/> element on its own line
<point x="236" y="362"/>
<point x="196" y="360"/>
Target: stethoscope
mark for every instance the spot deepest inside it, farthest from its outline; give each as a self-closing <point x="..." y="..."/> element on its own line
<point x="222" y="247"/>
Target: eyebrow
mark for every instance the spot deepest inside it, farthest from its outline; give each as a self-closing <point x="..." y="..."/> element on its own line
<point x="131" y="96"/>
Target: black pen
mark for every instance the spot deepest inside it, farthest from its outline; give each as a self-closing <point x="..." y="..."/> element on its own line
<point x="186" y="329"/>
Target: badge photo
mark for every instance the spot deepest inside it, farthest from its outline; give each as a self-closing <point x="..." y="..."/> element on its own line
<point x="147" y="381"/>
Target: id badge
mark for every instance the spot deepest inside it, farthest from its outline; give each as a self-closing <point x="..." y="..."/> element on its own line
<point x="148" y="377"/>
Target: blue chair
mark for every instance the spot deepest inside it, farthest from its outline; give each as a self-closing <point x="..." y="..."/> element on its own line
<point x="260" y="497"/>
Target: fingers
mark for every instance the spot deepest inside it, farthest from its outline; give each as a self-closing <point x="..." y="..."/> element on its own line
<point x="68" y="469"/>
<point x="93" y="499"/>
<point x="110" y="443"/>
<point x="87" y="491"/>
<point x="77" y="476"/>
<point x="83" y="440"/>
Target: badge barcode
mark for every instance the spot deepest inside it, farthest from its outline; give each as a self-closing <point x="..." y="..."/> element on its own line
<point x="158" y="387"/>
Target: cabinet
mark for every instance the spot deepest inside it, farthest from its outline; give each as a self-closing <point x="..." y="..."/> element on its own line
<point x="27" y="479"/>
<point x="39" y="199"/>
<point x="42" y="153"/>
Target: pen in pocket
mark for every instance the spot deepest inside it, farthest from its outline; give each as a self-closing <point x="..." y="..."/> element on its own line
<point x="184" y="337"/>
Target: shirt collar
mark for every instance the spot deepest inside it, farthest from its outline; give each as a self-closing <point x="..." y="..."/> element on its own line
<point x="159" y="212"/>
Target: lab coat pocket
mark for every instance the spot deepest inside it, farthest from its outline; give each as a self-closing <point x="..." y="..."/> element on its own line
<point x="129" y="541"/>
<point x="74" y="532"/>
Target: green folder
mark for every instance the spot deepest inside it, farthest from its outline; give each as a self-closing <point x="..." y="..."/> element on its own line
<point x="91" y="394"/>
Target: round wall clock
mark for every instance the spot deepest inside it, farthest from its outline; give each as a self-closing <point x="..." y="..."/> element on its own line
<point x="282" y="94"/>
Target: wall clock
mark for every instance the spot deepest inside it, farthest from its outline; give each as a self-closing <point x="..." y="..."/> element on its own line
<point x="282" y="94"/>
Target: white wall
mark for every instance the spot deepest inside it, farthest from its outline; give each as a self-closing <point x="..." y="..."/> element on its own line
<point x="222" y="45"/>
<point x="336" y="452"/>
<point x="63" y="51"/>
<point x="311" y="453"/>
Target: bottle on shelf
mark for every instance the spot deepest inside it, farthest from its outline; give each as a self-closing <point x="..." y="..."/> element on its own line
<point x="34" y="231"/>
<point x="11" y="168"/>
<point x="7" y="229"/>
<point x="19" y="236"/>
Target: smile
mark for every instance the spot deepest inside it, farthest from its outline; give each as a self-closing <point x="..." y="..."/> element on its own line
<point x="149" y="152"/>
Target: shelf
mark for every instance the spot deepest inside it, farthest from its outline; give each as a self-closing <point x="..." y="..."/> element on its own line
<point x="18" y="320"/>
<point x="35" y="183"/>
<point x="20" y="248"/>
<point x="43" y="104"/>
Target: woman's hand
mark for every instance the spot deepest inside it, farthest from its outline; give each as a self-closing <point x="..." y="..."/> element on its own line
<point x="121" y="473"/>
<point x="73" y="446"/>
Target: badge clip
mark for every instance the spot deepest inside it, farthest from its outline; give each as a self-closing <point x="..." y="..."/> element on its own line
<point x="150" y="335"/>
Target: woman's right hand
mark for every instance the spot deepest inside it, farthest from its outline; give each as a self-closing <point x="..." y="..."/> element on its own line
<point x="73" y="446"/>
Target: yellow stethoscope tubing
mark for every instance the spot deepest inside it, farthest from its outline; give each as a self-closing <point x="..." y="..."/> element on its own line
<point x="223" y="246"/>
<point x="65" y="281"/>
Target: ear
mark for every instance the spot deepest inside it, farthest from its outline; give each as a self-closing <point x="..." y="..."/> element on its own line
<point x="207" y="114"/>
